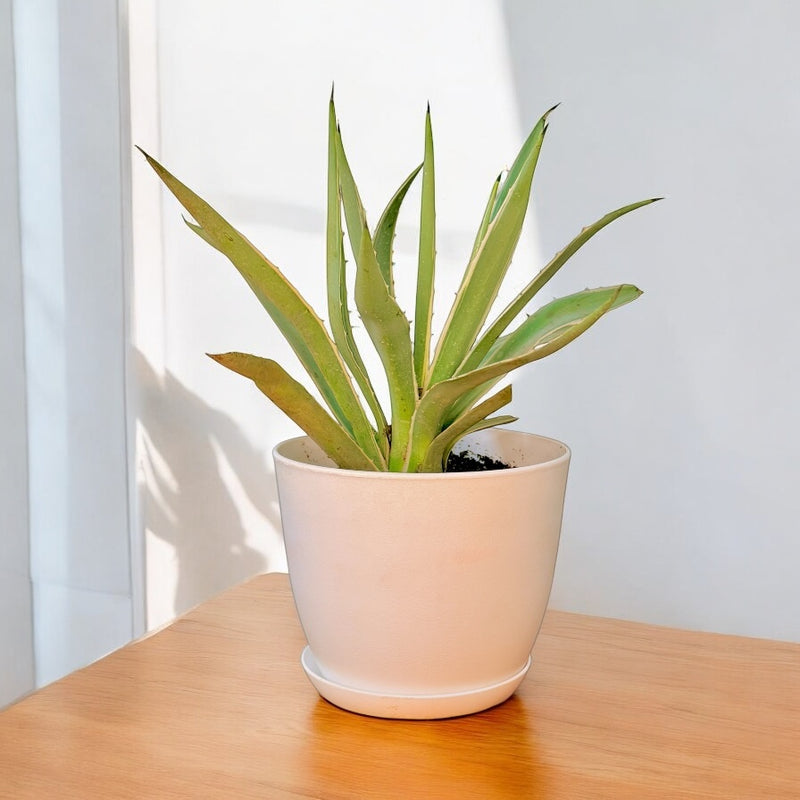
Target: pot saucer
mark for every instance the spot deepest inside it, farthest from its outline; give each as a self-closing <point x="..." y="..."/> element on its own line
<point x="404" y="706"/>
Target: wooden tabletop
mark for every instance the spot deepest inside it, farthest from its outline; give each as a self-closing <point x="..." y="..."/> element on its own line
<point x="217" y="706"/>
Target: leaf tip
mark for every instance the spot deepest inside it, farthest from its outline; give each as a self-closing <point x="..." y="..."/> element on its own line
<point x="157" y="167"/>
<point x="150" y="160"/>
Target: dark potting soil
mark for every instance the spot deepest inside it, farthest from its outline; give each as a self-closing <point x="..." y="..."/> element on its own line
<point x="467" y="461"/>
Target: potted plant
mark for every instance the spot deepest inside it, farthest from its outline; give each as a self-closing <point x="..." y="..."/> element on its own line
<point x="420" y="584"/>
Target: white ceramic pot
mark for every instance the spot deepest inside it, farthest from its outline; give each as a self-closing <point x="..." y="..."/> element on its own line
<point x="421" y="595"/>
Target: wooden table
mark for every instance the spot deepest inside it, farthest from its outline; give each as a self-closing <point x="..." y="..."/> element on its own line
<point x="217" y="706"/>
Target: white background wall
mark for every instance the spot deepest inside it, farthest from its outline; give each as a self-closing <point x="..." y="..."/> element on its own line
<point x="16" y="614"/>
<point x="67" y="594"/>
<point x="679" y="409"/>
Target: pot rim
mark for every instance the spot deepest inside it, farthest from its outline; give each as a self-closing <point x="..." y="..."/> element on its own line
<point x="497" y="474"/>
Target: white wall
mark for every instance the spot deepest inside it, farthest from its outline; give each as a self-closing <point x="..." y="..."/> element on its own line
<point x="72" y="131"/>
<point x="678" y="409"/>
<point x="16" y="616"/>
<point x="681" y="409"/>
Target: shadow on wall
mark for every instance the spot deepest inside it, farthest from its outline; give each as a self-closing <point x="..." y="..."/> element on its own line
<point x="198" y="478"/>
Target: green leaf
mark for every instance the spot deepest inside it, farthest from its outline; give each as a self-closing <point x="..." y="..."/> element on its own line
<point x="486" y="219"/>
<point x="338" y="308"/>
<point x="516" y="306"/>
<point x="436" y="456"/>
<point x="383" y="238"/>
<point x="295" y="319"/>
<point x="552" y="320"/>
<point x="486" y="270"/>
<point x="294" y="400"/>
<point x="354" y="214"/>
<point x="547" y="324"/>
<point x="390" y="332"/>
<point x="385" y="322"/>
<point x="423" y="309"/>
<point x="445" y="401"/>
<point x="533" y="144"/>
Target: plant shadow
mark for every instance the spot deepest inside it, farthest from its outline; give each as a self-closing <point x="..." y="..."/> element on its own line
<point x="203" y="488"/>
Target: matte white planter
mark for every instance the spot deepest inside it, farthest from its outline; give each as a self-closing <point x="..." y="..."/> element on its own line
<point x="421" y="596"/>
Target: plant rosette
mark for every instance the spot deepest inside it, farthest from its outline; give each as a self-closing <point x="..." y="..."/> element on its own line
<point x="420" y="590"/>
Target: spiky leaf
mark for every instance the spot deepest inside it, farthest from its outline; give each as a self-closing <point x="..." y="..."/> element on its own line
<point x="546" y="324"/>
<point x="444" y="401"/>
<point x="486" y="218"/>
<point x="486" y="270"/>
<point x="423" y="309"/>
<point x="516" y="306"/>
<point x="338" y="307"/>
<point x="440" y="447"/>
<point x="552" y="320"/>
<point x="383" y="238"/>
<point x="384" y="320"/>
<point x="295" y="318"/>
<point x="520" y="162"/>
<point x="295" y="401"/>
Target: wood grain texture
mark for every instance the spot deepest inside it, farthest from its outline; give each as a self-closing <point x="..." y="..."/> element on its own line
<point x="217" y="706"/>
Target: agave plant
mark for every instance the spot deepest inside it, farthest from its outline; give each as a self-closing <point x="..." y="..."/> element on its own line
<point x="436" y="396"/>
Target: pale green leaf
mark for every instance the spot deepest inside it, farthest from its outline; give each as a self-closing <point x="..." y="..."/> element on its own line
<point x="384" y="320"/>
<point x="296" y="320"/>
<point x="486" y="218"/>
<point x="552" y="320"/>
<point x="295" y="401"/>
<point x="423" y="309"/>
<point x="383" y="238"/>
<point x="516" y="306"/>
<point x="390" y="332"/>
<point x="440" y="447"/>
<point x="532" y="144"/>
<point x="444" y="401"/>
<point x="485" y="272"/>
<point x="338" y="307"/>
